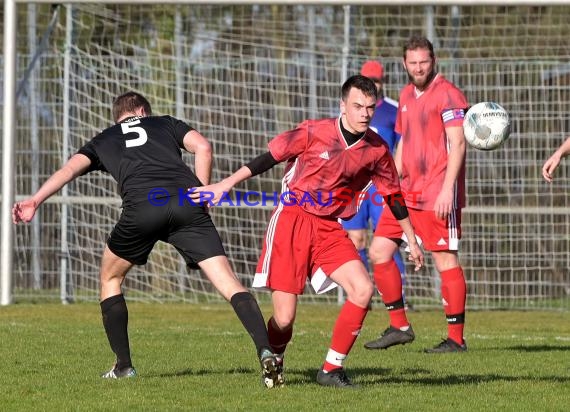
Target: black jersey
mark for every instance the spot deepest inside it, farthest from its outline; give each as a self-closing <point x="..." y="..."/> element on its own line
<point x="142" y="153"/>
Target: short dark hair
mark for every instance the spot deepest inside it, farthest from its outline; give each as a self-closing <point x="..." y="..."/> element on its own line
<point x="418" y="42"/>
<point x="360" y="82"/>
<point x="129" y="102"/>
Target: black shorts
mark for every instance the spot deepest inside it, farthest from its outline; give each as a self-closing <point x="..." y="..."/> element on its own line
<point x="188" y="228"/>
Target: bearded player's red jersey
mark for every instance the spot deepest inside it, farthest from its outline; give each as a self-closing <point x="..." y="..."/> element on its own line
<point x="421" y="121"/>
<point x="324" y="175"/>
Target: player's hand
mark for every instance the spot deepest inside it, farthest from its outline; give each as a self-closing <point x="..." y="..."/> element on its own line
<point x="24" y="211"/>
<point x="549" y="167"/>
<point x="443" y="204"/>
<point x="210" y="195"/>
<point x="416" y="255"/>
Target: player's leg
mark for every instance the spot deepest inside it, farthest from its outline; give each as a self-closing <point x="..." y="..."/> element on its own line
<point x="402" y="268"/>
<point x="280" y="324"/>
<point x="223" y="278"/>
<point x="283" y="267"/>
<point x="441" y="238"/>
<point x="388" y="280"/>
<point x="114" y="312"/>
<point x="130" y="243"/>
<point x="336" y="258"/>
<point x="355" y="281"/>
<point x="376" y="209"/>
<point x="453" y="294"/>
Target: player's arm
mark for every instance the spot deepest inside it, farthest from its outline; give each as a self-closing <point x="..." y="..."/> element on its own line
<point x="215" y="191"/>
<point x="195" y="143"/>
<point x="77" y="165"/>
<point x="455" y="158"/>
<point x="553" y="161"/>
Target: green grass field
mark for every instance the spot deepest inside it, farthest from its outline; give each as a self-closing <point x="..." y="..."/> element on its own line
<point x="199" y="358"/>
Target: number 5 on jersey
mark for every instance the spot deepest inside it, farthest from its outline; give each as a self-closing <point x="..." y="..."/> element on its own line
<point x="131" y="128"/>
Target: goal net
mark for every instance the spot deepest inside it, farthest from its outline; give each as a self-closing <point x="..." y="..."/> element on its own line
<point x="240" y="74"/>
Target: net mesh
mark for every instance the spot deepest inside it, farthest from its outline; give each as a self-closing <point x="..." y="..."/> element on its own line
<point x="241" y="74"/>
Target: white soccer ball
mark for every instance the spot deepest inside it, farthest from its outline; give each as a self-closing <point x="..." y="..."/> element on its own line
<point x="486" y="125"/>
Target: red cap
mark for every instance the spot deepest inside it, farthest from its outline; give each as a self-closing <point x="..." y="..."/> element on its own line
<point x="372" y="69"/>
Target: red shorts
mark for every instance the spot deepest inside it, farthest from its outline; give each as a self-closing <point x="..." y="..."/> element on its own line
<point x="433" y="233"/>
<point x="299" y="245"/>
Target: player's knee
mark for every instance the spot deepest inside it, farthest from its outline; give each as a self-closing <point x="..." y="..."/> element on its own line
<point x="361" y="294"/>
<point x="381" y="250"/>
<point x="377" y="255"/>
<point x="109" y="276"/>
<point x="445" y="260"/>
<point x="284" y="320"/>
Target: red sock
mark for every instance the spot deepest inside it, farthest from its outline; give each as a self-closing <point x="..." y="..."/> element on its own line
<point x="454" y="293"/>
<point x="346" y="330"/>
<point x="389" y="283"/>
<point x="278" y="339"/>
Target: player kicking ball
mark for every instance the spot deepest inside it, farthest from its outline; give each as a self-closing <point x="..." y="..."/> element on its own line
<point x="329" y="162"/>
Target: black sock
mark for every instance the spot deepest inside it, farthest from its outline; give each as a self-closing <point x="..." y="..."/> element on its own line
<point x="115" y="321"/>
<point x="248" y="312"/>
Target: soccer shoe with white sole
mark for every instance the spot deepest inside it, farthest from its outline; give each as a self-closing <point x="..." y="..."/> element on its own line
<point x="336" y="378"/>
<point x="447" y="346"/>
<point x="390" y="337"/>
<point x="271" y="370"/>
<point x="116" y="373"/>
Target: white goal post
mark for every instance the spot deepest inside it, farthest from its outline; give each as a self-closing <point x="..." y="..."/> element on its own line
<point x="241" y="71"/>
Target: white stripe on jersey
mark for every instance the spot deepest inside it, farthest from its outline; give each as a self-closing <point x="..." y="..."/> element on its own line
<point x="362" y="195"/>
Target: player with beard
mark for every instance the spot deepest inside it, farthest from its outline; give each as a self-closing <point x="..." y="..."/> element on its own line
<point x="431" y="157"/>
<point x="338" y="156"/>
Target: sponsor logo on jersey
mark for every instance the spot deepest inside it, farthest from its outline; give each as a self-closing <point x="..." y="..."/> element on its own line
<point x="324" y="155"/>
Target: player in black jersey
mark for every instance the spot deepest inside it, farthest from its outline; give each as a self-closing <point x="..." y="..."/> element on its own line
<point x="142" y="152"/>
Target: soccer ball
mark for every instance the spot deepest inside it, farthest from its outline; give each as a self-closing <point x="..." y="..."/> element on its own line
<point x="486" y="125"/>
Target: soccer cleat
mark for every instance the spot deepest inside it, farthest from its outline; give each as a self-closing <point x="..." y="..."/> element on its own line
<point x="390" y="337"/>
<point x="336" y="378"/>
<point x="116" y="373"/>
<point x="447" y="346"/>
<point x="271" y="369"/>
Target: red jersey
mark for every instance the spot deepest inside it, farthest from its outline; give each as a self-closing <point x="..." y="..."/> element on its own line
<point x="324" y="175"/>
<point x="421" y="121"/>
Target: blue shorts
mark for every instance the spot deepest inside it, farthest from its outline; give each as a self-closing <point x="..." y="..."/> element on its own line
<point x="369" y="213"/>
